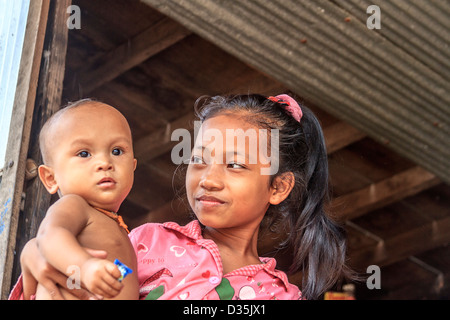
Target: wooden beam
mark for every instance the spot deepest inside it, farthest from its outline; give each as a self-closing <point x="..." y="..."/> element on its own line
<point x="379" y="194"/>
<point x="340" y="135"/>
<point x="134" y="107"/>
<point x="428" y="283"/>
<point x="159" y="142"/>
<point x="175" y="209"/>
<point x="408" y="227"/>
<point x="398" y="246"/>
<point x="130" y="54"/>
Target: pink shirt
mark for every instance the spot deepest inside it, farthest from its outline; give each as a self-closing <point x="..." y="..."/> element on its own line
<point x="176" y="262"/>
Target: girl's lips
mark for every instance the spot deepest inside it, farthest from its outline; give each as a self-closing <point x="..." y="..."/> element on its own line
<point x="209" y="201"/>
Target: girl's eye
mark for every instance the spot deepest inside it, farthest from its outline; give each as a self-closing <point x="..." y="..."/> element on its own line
<point x="84" y="154"/>
<point x="235" y="165"/>
<point x="197" y="160"/>
<point x="117" y="152"/>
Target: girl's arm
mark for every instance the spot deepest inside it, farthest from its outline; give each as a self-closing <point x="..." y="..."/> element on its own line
<point x="36" y="269"/>
<point x="57" y="241"/>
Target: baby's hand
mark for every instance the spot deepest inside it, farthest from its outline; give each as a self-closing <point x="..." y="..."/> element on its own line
<point x="100" y="277"/>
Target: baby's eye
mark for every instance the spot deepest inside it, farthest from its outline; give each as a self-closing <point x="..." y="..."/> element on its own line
<point x="84" y="154"/>
<point x="117" y="152"/>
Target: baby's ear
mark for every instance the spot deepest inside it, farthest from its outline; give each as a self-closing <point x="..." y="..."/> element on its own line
<point x="47" y="177"/>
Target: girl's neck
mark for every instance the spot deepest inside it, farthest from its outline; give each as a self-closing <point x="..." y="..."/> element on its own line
<point x="237" y="248"/>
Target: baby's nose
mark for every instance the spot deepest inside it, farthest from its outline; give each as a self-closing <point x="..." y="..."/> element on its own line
<point x="104" y="164"/>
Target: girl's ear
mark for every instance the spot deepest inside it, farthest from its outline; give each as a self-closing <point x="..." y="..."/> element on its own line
<point x="281" y="187"/>
<point x="47" y="177"/>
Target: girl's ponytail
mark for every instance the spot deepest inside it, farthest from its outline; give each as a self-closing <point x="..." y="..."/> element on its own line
<point x="318" y="241"/>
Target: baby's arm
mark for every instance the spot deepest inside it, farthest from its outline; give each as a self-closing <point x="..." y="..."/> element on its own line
<point x="57" y="241"/>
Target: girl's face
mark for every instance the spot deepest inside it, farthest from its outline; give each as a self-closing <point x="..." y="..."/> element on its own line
<point x="224" y="184"/>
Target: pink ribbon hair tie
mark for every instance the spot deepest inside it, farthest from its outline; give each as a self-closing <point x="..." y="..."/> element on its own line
<point x="292" y="106"/>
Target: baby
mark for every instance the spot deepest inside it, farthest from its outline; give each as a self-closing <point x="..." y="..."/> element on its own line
<point x="88" y="159"/>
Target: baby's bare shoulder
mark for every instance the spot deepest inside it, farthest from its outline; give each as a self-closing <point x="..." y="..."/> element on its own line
<point x="72" y="200"/>
<point x="71" y="205"/>
<point x="70" y="212"/>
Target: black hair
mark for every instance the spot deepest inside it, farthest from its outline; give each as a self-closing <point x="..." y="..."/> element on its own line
<point x="317" y="240"/>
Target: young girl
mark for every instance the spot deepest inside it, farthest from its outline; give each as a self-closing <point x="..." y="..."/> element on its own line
<point x="215" y="256"/>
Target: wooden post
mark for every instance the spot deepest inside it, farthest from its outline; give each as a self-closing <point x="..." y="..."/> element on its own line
<point x="13" y="176"/>
<point x="48" y="101"/>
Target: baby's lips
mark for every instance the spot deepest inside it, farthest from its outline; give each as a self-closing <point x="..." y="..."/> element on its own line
<point x="107" y="180"/>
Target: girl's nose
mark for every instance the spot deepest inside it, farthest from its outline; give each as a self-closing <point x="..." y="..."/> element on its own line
<point x="212" y="178"/>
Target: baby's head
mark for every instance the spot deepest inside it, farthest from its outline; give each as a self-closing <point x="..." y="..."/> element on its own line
<point x="87" y="150"/>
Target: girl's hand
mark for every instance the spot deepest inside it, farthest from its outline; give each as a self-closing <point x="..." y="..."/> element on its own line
<point x="100" y="277"/>
<point x="36" y="269"/>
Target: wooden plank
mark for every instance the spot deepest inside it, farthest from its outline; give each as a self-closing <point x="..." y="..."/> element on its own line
<point x="175" y="209"/>
<point x="105" y="20"/>
<point x="438" y="259"/>
<point x="48" y="101"/>
<point x="194" y="77"/>
<point x="377" y="195"/>
<point x="404" y="280"/>
<point x="159" y="142"/>
<point x="340" y="135"/>
<point x="363" y="163"/>
<point x="105" y="25"/>
<point x="13" y="177"/>
<point x="400" y="230"/>
<point x="130" y="54"/>
<point x="123" y="97"/>
<point x="345" y="176"/>
<point x="147" y="190"/>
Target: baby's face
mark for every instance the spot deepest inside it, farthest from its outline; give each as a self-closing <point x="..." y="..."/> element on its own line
<point x="92" y="155"/>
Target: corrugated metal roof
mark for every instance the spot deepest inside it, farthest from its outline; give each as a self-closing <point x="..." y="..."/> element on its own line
<point x="391" y="82"/>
